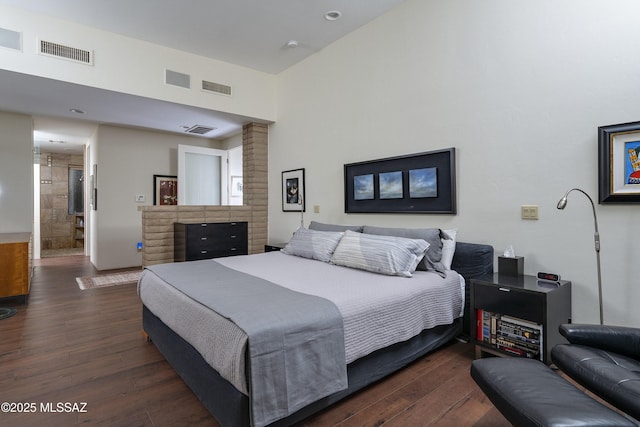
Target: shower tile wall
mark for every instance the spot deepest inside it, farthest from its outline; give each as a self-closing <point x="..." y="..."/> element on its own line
<point x="56" y="224"/>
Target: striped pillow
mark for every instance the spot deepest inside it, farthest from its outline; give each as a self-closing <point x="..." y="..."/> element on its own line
<point x="433" y="258"/>
<point x="394" y="256"/>
<point x="313" y="244"/>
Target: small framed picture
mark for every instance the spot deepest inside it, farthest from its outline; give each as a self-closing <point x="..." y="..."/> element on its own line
<point x="236" y="186"/>
<point x="165" y="190"/>
<point x="293" y="191"/>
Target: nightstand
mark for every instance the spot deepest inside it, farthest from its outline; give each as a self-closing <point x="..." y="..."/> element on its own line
<point x="274" y="247"/>
<point x="518" y="315"/>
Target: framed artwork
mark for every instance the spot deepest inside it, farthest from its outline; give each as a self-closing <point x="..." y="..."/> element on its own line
<point x="416" y="183"/>
<point x="165" y="190"/>
<point x="293" y="191"/>
<point x="619" y="163"/>
<point x="236" y="186"/>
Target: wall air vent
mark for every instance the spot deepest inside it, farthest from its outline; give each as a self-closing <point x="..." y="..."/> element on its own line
<point x="66" y="52"/>
<point x="199" y="129"/>
<point x="10" y="39"/>
<point x="175" y="78"/>
<point x="216" y="88"/>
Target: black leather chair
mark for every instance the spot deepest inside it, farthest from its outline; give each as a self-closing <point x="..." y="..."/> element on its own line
<point x="605" y="360"/>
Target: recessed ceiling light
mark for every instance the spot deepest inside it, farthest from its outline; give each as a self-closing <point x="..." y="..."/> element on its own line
<point x="292" y="44"/>
<point x="333" y="15"/>
<point x="76" y="110"/>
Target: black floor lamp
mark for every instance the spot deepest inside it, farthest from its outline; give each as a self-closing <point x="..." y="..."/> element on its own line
<point x="561" y="205"/>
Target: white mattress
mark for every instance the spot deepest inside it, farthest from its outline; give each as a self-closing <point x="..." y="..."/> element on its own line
<point x="377" y="310"/>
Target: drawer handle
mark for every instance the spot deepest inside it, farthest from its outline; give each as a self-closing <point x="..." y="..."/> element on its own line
<point x="203" y="252"/>
<point x="505" y="289"/>
<point x="203" y="225"/>
<point x="233" y="236"/>
<point x="203" y="238"/>
<point x="233" y="249"/>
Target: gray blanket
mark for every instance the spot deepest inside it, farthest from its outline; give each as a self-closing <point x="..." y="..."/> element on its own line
<point x="296" y="341"/>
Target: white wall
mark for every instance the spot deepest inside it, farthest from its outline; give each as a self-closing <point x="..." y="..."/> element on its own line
<point x="16" y="173"/>
<point x="519" y="88"/>
<point x="131" y="66"/>
<point x="127" y="160"/>
<point x="90" y="228"/>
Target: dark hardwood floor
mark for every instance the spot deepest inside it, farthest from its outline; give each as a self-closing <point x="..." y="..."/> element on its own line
<point x="70" y="347"/>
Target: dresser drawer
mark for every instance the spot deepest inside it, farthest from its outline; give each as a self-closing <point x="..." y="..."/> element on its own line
<point x="229" y="233"/>
<point x="209" y="240"/>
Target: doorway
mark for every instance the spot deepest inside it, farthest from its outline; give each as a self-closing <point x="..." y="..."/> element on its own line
<point x="59" y="204"/>
<point x="203" y="177"/>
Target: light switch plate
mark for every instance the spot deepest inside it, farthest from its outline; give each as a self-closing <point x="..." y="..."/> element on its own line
<point x="140" y="198"/>
<point x="529" y="211"/>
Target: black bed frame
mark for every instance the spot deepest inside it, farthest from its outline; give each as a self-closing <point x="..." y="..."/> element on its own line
<point x="231" y="408"/>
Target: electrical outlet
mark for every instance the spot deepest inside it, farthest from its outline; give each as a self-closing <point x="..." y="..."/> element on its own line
<point x="140" y="198"/>
<point x="316" y="209"/>
<point x="529" y="211"/>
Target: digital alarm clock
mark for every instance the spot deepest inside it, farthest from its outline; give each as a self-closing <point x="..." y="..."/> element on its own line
<point x="548" y="277"/>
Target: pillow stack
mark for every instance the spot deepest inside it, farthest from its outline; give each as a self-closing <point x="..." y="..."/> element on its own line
<point x="433" y="236"/>
<point x="390" y="251"/>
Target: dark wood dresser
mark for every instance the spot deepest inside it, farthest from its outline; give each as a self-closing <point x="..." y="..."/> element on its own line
<point x="209" y="240"/>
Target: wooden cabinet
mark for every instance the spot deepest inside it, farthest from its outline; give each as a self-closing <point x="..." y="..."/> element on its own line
<point x="515" y="307"/>
<point x="15" y="264"/>
<point x="209" y="240"/>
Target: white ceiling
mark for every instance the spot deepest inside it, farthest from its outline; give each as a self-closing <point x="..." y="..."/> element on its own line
<point x="251" y="33"/>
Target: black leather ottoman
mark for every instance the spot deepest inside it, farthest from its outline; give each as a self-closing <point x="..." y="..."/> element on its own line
<point x="528" y="393"/>
<point x="611" y="376"/>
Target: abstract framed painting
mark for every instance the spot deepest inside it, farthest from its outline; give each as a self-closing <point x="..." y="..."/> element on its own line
<point x="619" y="163"/>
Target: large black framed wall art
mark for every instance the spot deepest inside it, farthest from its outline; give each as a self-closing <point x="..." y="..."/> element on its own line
<point x="619" y="163"/>
<point x="416" y="183"/>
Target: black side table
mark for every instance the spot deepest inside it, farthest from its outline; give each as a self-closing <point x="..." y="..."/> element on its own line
<point x="506" y="311"/>
<point x="274" y="247"/>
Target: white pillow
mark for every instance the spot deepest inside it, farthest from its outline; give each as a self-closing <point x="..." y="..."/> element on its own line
<point x="313" y="244"/>
<point x="394" y="256"/>
<point x="448" y="248"/>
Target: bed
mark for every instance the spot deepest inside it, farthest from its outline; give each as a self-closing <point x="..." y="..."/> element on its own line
<point x="269" y="339"/>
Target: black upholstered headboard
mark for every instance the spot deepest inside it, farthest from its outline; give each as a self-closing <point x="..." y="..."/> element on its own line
<point x="471" y="260"/>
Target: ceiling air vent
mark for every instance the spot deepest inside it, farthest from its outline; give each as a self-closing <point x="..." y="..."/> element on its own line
<point x="66" y="52"/>
<point x="177" y="79"/>
<point x="10" y="39"/>
<point x="216" y="88"/>
<point x="199" y="129"/>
